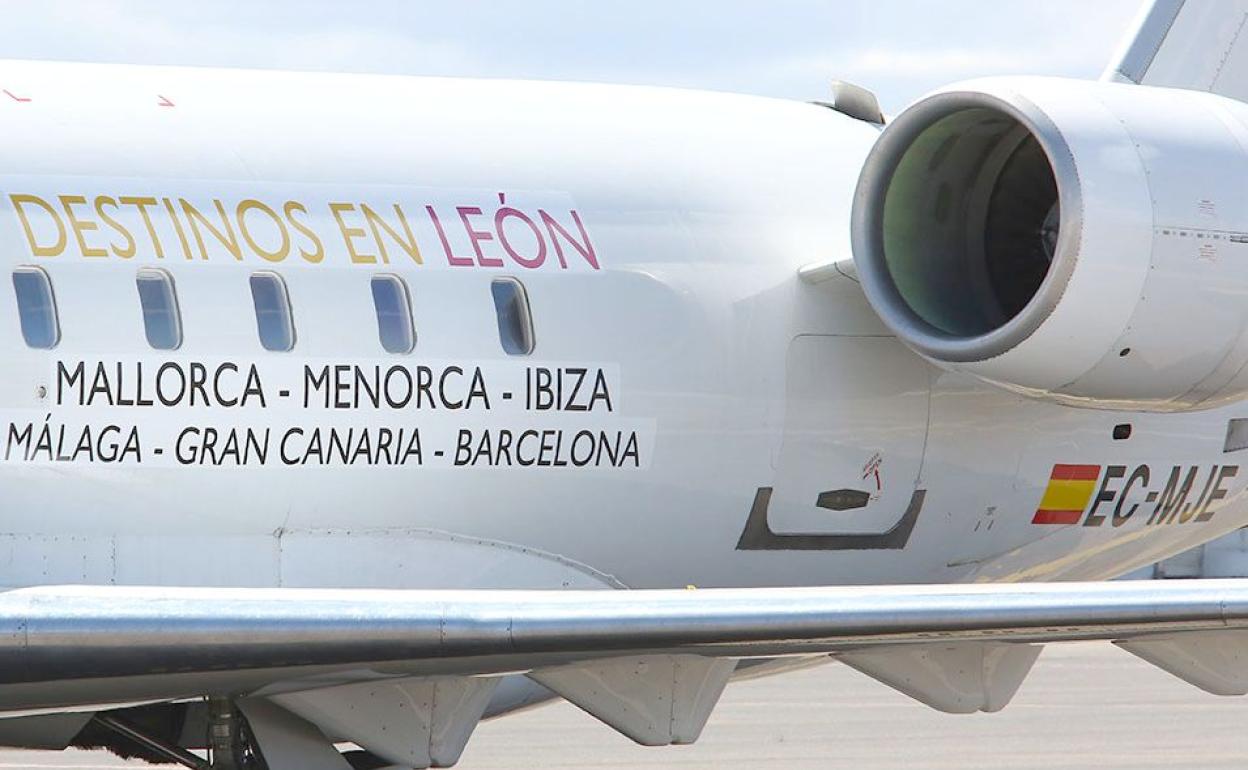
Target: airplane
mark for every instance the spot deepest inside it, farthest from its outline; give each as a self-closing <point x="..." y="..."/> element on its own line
<point x="342" y="412"/>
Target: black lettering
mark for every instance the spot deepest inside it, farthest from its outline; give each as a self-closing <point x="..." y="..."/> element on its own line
<point x="183" y="455"/>
<point x="19" y="437"/>
<point x="313" y="383"/>
<point x="198" y="381"/>
<point x="572" y="406"/>
<point x="161" y="394"/>
<point x="1218" y="492"/>
<point x="287" y="459"/>
<point x="463" y="447"/>
<point x="1191" y="511"/>
<point x="66" y="379"/>
<point x="216" y="384"/>
<point x="1140" y="475"/>
<point x="1172" y="496"/>
<point x="601" y="393"/>
<point x="1104" y="495"/>
<point x="100" y="386"/>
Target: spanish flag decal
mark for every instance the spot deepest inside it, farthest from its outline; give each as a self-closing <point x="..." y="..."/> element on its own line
<point x="1070" y="488"/>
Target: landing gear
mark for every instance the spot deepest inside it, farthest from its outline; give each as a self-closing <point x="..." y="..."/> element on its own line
<point x="160" y="748"/>
<point x="235" y="733"/>
<point x="232" y="745"/>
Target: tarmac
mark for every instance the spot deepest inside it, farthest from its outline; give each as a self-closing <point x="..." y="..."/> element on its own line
<point x="1084" y="706"/>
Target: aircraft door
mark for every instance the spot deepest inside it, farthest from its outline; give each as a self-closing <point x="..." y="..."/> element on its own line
<point x="855" y="424"/>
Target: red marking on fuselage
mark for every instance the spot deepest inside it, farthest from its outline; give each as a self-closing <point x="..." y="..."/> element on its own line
<point x="1057" y="517"/>
<point x="164" y="102"/>
<point x="1075" y="472"/>
<point x="15" y="97"/>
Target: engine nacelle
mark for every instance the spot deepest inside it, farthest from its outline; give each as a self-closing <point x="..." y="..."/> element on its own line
<point x="1075" y="241"/>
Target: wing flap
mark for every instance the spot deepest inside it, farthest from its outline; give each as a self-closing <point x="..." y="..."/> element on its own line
<point x="290" y="743"/>
<point x="411" y="722"/>
<point x="1214" y="661"/>
<point x="955" y="678"/>
<point x="656" y="700"/>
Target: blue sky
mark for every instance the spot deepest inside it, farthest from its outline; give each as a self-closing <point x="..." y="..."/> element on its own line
<point x="787" y="48"/>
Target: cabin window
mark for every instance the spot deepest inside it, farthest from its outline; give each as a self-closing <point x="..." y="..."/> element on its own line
<point x="394" y="314"/>
<point x="515" y="324"/>
<point x="161" y="320"/>
<point x="273" y="320"/>
<point x="36" y="307"/>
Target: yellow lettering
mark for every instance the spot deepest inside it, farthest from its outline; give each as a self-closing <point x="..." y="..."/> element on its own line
<point x="131" y="247"/>
<point x="141" y="204"/>
<point x="80" y="227"/>
<point x="311" y="256"/>
<point x="351" y="233"/>
<point x="35" y="248"/>
<point x="225" y="235"/>
<point x="408" y="244"/>
<point x="177" y="226"/>
<point x="283" y="249"/>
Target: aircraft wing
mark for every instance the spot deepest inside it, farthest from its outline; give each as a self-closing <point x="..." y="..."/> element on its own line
<point x="650" y="663"/>
<point x="1194" y="44"/>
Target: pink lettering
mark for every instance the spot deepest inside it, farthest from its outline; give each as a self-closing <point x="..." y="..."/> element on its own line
<point x="451" y="259"/>
<point x="477" y="236"/>
<point x="585" y="248"/>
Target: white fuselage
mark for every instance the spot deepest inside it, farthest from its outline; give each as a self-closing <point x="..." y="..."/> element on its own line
<point x="661" y="269"/>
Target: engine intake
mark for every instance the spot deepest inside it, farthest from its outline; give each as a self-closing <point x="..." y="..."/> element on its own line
<point x="1074" y="241"/>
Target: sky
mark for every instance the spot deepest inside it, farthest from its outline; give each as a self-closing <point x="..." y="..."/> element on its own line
<point x="787" y="48"/>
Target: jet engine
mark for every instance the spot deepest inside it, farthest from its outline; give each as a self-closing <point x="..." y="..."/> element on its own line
<point x="1081" y="242"/>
